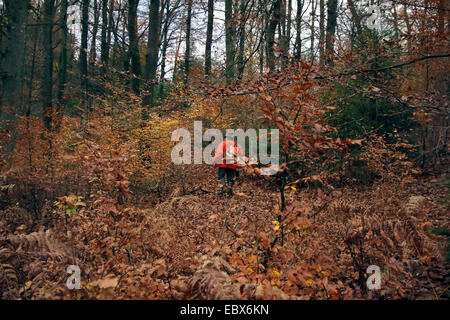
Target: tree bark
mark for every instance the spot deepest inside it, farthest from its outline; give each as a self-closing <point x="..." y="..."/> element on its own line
<point x="356" y="17"/>
<point x="313" y="22"/>
<point x="46" y="90"/>
<point x="275" y="19"/>
<point x="229" y="41"/>
<point x="298" y="36"/>
<point x="110" y="26"/>
<point x="209" y="34"/>
<point x="136" y="68"/>
<point x="152" y="51"/>
<point x="14" y="57"/>
<point x="321" y="30"/>
<point x="63" y="57"/>
<point x="187" y="55"/>
<point x="104" y="49"/>
<point x="331" y="29"/>
<point x="93" y="53"/>
<point x="83" y="49"/>
<point x="242" y="23"/>
<point x="284" y="40"/>
<point x="165" y="44"/>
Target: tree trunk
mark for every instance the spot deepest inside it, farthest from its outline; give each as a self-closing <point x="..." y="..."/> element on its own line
<point x="241" y="53"/>
<point x="331" y="29"/>
<point x="298" y="36"/>
<point x="136" y="68"/>
<point x="284" y="40"/>
<point x="165" y="44"/>
<point x="104" y="50"/>
<point x="152" y="51"/>
<point x="14" y="57"/>
<point x="46" y="89"/>
<point x="187" y="55"/>
<point x="229" y="41"/>
<point x="275" y="19"/>
<point x="321" y="30"/>
<point x="63" y="58"/>
<point x="110" y="26"/>
<point x="263" y="20"/>
<point x="313" y="22"/>
<point x="356" y="17"/>
<point x="93" y="53"/>
<point x="288" y="26"/>
<point x="83" y="49"/>
<point x="209" y="34"/>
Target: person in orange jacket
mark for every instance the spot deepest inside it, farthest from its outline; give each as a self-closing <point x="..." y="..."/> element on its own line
<point x="225" y="159"/>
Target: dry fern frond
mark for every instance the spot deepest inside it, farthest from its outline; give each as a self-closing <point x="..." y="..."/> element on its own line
<point x="8" y="281"/>
<point x="41" y="242"/>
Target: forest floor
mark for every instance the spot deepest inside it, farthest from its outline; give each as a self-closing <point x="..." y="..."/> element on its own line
<point x="214" y="231"/>
<point x="196" y="244"/>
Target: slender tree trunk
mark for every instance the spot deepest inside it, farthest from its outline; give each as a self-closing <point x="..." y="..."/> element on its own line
<point x="104" y="49"/>
<point x="165" y="43"/>
<point x="63" y="58"/>
<point x="241" y="53"/>
<point x="313" y="29"/>
<point x="16" y="12"/>
<point x="229" y="41"/>
<point x="298" y="36"/>
<point x="331" y="29"/>
<point x="83" y="49"/>
<point x="110" y="26"/>
<point x="356" y="17"/>
<point x="46" y="89"/>
<point x="264" y="21"/>
<point x="14" y="57"/>
<point x="136" y="68"/>
<point x="152" y="51"/>
<point x="93" y="53"/>
<point x="187" y="55"/>
<point x="209" y="34"/>
<point x="275" y="19"/>
<point x="321" y="30"/>
<point x="289" y="26"/>
<point x="284" y="40"/>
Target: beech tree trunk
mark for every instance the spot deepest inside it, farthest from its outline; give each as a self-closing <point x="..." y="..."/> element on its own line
<point x="83" y="48"/>
<point x="14" y="56"/>
<point x="63" y="57"/>
<point x="209" y="34"/>
<point x="298" y="36"/>
<point x="152" y="51"/>
<point x="46" y="90"/>
<point x="331" y="29"/>
<point x="275" y="19"/>
<point x="229" y="41"/>
<point x="134" y="46"/>
<point x="187" y="55"/>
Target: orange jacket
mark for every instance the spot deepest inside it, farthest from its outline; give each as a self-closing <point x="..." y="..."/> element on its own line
<point x="220" y="157"/>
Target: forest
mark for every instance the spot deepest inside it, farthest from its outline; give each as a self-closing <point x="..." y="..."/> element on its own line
<point x="93" y="205"/>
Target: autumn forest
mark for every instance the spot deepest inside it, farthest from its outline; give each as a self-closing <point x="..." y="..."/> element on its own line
<point x="353" y="95"/>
